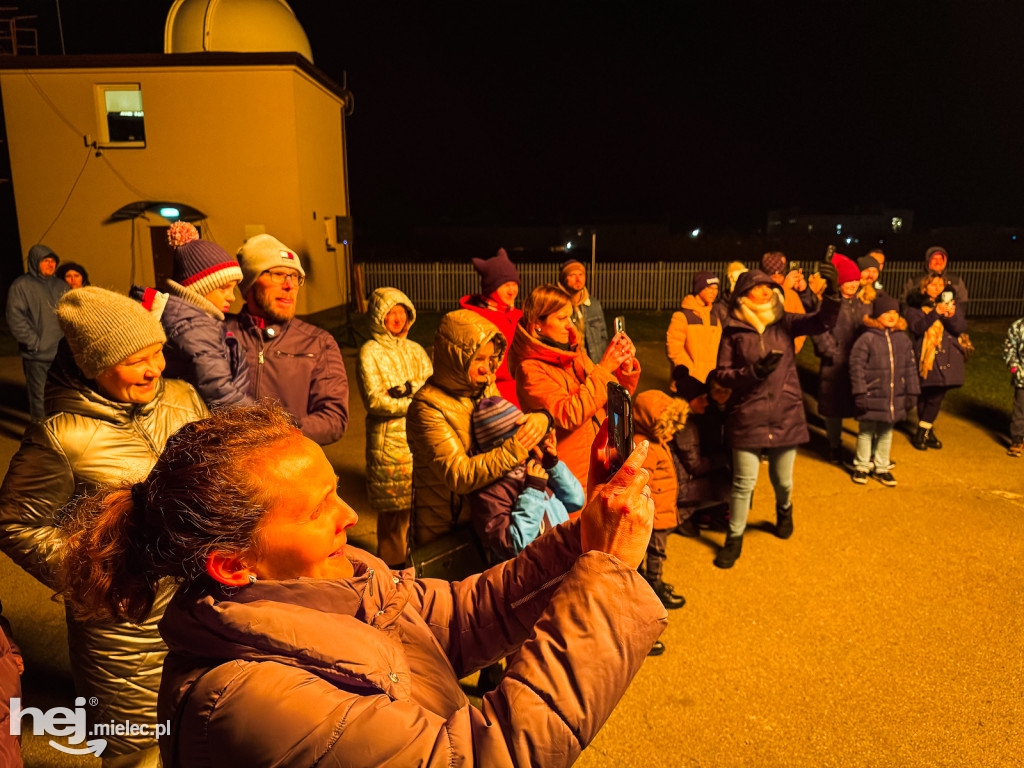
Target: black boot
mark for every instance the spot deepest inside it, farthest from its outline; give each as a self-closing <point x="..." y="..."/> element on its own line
<point x="784" y="522"/>
<point x="730" y="551"/>
<point x="931" y="440"/>
<point x="668" y="598"/>
<point x="919" y="439"/>
<point x="657" y="649"/>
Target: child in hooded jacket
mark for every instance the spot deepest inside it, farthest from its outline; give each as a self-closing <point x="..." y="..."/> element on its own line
<point x="657" y="417"/>
<point x="531" y="498"/>
<point x="885" y="386"/>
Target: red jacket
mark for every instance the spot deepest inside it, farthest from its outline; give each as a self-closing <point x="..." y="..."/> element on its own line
<point x="505" y="320"/>
<point x="568" y="386"/>
<point x="365" y="671"/>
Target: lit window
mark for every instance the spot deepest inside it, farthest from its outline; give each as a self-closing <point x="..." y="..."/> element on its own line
<point x="897" y="223"/>
<point x="121" y="118"/>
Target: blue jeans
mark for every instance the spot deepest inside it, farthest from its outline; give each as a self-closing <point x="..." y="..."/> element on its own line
<point x="874" y="442"/>
<point x="745" y="467"/>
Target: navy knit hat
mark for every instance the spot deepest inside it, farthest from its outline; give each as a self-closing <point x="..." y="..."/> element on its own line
<point x="702" y="280"/>
<point x="495" y="272"/>
<point x="494" y="421"/>
<point x="883" y="304"/>
<point x="199" y="265"/>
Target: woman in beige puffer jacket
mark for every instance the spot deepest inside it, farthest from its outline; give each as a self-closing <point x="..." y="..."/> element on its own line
<point x="391" y="370"/>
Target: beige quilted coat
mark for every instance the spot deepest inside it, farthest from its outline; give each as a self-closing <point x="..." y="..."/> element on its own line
<point x="387" y="361"/>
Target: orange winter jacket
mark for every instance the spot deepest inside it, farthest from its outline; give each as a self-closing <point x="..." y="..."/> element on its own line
<point x="693" y="338"/>
<point x="568" y="386"/>
<point x="656" y="418"/>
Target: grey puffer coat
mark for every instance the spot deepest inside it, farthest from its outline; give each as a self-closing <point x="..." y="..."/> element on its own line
<point x="768" y="412"/>
<point x="364" y="671"/>
<point x="883" y="370"/>
<point x="387" y="362"/>
<point x="88" y="441"/>
<point x="30" y="308"/>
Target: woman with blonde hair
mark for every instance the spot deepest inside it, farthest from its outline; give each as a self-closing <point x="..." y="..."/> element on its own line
<point x="553" y="373"/>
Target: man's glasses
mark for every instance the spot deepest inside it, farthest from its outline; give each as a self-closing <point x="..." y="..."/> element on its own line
<point x="280" y="278"/>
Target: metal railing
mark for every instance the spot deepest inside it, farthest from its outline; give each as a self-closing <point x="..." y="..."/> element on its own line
<point x="996" y="288"/>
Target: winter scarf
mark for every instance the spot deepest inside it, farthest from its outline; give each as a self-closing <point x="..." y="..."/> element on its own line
<point x="760" y="316"/>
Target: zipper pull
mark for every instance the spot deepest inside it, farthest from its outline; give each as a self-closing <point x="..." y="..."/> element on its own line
<point x="369" y="575"/>
<point x="261" y="357"/>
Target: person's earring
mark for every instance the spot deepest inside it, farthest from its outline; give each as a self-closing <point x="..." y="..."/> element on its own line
<point x="252" y="578"/>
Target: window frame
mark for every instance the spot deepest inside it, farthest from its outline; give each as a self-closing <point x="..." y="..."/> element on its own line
<point x="103" y="132"/>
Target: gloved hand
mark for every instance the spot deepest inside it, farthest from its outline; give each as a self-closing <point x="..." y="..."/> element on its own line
<point x="830" y="275"/>
<point x="860" y="402"/>
<point x="400" y="392"/>
<point x="765" y="365"/>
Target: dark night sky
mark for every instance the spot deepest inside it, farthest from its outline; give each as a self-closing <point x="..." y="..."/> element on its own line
<point x="499" y="113"/>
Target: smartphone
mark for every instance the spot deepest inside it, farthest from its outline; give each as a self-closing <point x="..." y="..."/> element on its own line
<point x="620" y="426"/>
<point x="620" y="324"/>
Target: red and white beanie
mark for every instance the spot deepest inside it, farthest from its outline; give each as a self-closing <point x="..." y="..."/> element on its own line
<point x="199" y="265"/>
<point x="262" y="252"/>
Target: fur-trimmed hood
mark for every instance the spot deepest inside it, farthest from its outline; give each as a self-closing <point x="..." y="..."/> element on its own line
<point x="658" y="416"/>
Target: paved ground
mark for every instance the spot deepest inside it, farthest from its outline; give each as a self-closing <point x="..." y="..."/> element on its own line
<point x="887" y="632"/>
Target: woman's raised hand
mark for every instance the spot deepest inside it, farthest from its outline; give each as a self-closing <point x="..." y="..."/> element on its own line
<point x="533" y="426"/>
<point x="619" y="517"/>
<point x="620" y="350"/>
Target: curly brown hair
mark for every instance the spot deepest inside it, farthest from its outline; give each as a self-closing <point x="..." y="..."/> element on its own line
<point x="203" y="495"/>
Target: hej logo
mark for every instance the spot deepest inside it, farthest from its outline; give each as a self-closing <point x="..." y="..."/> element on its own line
<point x="71" y="723"/>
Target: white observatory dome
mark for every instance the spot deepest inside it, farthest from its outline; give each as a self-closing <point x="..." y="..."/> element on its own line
<point x="234" y="25"/>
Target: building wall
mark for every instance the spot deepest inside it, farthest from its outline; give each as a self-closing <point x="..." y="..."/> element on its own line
<point x="256" y="148"/>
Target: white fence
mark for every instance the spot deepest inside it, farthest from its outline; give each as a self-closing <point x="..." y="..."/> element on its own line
<point x="996" y="289"/>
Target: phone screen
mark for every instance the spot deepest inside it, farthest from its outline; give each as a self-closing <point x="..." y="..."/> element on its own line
<point x="620" y="324"/>
<point x="620" y="426"/>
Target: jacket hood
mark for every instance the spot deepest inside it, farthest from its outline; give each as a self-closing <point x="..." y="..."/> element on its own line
<point x="696" y="304"/>
<point x="658" y="416"/>
<point x="260" y="623"/>
<point x="526" y="347"/>
<point x="870" y="322"/>
<point x="748" y="280"/>
<point x="68" y="391"/>
<point x="36" y="254"/>
<point x="382" y="301"/>
<point x="458" y="339"/>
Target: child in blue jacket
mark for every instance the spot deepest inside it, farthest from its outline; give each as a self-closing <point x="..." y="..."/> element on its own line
<point x="529" y="499"/>
<point x="885" y="385"/>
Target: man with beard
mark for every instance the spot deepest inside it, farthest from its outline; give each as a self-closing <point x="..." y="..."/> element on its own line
<point x="289" y="360"/>
<point x="587" y="314"/>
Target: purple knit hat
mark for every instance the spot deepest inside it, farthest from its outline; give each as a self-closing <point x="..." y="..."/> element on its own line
<point x="495" y="272"/>
<point x="494" y="421"/>
<point x="199" y="265"/>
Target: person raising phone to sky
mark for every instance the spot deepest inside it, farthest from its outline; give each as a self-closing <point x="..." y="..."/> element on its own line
<point x="756" y="360"/>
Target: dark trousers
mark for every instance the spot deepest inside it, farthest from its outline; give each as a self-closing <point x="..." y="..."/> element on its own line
<point x="1017" y="418"/>
<point x="929" y="402"/>
<point x="657" y="553"/>
<point x="35" y="382"/>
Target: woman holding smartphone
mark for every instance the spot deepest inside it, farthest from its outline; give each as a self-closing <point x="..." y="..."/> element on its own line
<point x="553" y="373"/>
<point x="756" y="359"/>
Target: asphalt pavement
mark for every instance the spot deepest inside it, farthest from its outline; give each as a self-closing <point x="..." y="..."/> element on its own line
<point x="887" y="631"/>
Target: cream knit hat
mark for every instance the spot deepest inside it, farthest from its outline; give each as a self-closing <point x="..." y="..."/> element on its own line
<point x="103" y="328"/>
<point x="262" y="252"/>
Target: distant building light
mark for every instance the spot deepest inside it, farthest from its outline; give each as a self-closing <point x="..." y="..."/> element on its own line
<point x="810" y="227"/>
<point x="849" y="240"/>
<point x="897" y="223"/>
<point x="695" y="233"/>
<point x="839" y="228"/>
<point x="170" y="213"/>
<point x="344" y="242"/>
<point x="1014" y="237"/>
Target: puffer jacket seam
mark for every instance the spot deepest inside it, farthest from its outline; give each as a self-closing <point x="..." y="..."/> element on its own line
<point x="550" y="703"/>
<point x="528" y="597"/>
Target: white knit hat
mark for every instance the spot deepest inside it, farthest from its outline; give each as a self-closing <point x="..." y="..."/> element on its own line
<point x="262" y="252"/>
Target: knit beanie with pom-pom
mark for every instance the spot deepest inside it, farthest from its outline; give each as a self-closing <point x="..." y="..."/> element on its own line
<point x="199" y="265"/>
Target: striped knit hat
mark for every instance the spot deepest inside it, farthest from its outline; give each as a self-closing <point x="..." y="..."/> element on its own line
<point x="494" y="421"/>
<point x="103" y="328"/>
<point x="199" y="265"/>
